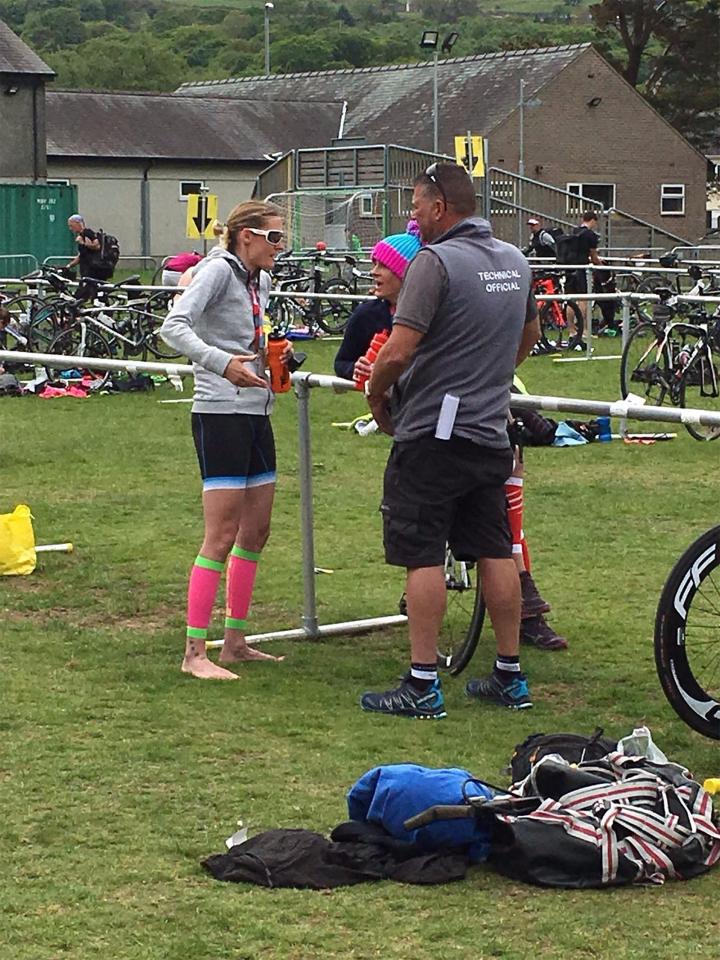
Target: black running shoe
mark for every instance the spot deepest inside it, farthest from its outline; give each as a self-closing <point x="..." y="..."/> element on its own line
<point x="532" y="602"/>
<point x="515" y="694"/>
<point x="406" y="701"/>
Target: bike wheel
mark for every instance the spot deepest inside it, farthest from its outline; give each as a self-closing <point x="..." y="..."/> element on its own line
<point x="700" y="390"/>
<point x="687" y="651"/>
<point x="333" y="315"/>
<point x="552" y="327"/>
<point x="464" y="615"/>
<point x="81" y="341"/>
<point x="153" y="313"/>
<point x="643" y="367"/>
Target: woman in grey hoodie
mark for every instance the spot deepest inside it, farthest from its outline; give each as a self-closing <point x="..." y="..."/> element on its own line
<point x="218" y="324"/>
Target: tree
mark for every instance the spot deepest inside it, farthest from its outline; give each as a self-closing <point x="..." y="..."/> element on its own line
<point x="301" y="53"/>
<point x="635" y="21"/>
<point x="140" y="61"/>
<point x="52" y="29"/>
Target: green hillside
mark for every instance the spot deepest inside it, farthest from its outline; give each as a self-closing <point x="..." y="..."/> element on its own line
<point x="669" y="52"/>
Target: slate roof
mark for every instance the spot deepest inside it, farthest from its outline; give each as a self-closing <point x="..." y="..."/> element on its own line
<point x="16" y="57"/>
<point x="393" y="104"/>
<point x="84" y="123"/>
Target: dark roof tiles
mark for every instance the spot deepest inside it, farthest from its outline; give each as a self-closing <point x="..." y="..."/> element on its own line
<point x="171" y="127"/>
<point x="16" y="57"/>
<point x="392" y="104"/>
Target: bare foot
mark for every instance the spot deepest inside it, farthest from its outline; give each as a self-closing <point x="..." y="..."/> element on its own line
<point x="237" y="653"/>
<point x="206" y="670"/>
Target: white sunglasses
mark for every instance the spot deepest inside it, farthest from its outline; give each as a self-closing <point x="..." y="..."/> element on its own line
<point x="272" y="236"/>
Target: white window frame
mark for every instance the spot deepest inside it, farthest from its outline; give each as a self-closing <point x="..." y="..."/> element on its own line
<point x="198" y="185"/>
<point x="366" y="205"/>
<point x="57" y="182"/>
<point x="577" y="189"/>
<point x="672" y="191"/>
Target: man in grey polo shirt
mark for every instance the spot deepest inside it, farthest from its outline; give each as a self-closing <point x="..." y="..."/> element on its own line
<point x="464" y="320"/>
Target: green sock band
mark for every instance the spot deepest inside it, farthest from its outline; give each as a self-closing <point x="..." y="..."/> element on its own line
<point x="245" y="554"/>
<point x="209" y="564"/>
<point x="233" y="624"/>
<point x="196" y="633"/>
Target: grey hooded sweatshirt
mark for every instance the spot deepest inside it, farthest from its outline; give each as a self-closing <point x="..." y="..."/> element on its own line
<point x="212" y="322"/>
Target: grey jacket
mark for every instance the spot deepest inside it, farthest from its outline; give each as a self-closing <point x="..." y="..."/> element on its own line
<point x="210" y="323"/>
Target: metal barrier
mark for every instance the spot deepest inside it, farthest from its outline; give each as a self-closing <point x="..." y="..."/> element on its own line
<point x="48" y="261"/>
<point x="27" y="258"/>
<point x="303" y="383"/>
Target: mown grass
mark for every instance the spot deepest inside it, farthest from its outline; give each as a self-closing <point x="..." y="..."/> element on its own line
<point x="118" y="774"/>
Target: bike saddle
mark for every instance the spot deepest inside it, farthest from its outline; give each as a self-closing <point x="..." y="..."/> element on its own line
<point x="664" y="293"/>
<point x="135" y="278"/>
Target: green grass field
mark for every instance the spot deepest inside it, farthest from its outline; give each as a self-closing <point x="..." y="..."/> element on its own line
<point x="118" y="774"/>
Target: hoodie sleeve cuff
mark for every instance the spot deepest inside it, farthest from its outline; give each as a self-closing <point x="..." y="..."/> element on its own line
<point x="217" y="360"/>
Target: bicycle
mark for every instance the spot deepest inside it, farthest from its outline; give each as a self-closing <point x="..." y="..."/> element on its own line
<point x="667" y="359"/>
<point x="315" y="314"/>
<point x="464" y="614"/>
<point x="556" y="316"/>
<point x="685" y="640"/>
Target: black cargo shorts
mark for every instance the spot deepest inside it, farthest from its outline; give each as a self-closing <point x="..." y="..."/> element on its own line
<point x="445" y="491"/>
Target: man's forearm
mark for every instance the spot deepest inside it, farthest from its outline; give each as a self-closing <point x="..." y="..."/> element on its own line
<point x="530" y="336"/>
<point x="386" y="371"/>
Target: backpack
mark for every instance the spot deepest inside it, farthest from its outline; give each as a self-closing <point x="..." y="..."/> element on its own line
<point x="109" y="252"/>
<point x="567" y="247"/>
<point x="572" y="747"/>
<point x="608" y="822"/>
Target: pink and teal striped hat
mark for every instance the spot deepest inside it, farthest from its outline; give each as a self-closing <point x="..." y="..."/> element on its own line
<point x="396" y="251"/>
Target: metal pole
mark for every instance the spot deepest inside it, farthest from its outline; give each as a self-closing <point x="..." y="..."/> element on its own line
<point x="435" y="102"/>
<point x="521" y="159"/>
<point x="309" y="618"/>
<point x="267" y="39"/>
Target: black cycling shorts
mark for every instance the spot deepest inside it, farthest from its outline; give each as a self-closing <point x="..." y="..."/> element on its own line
<point x="445" y="491"/>
<point x="235" y="450"/>
<point x="576" y="281"/>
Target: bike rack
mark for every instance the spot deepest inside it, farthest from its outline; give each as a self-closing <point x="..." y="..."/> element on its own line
<point x="303" y="384"/>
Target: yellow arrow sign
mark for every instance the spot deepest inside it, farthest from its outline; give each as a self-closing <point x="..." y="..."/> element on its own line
<point x="201" y="211"/>
<point x="469" y="153"/>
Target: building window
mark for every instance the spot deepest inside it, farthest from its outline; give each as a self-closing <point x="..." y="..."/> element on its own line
<point x="603" y="193"/>
<point x="190" y="186"/>
<point x="366" y="205"/>
<point x="672" y="199"/>
<point x="58" y="183"/>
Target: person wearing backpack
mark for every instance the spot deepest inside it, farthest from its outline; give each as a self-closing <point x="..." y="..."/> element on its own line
<point x="542" y="242"/>
<point x="98" y="252"/>
<point x="584" y="250"/>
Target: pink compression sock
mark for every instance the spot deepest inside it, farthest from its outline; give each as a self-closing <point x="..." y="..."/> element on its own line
<point x="514" y="497"/>
<point x="242" y="568"/>
<point x="202" y="590"/>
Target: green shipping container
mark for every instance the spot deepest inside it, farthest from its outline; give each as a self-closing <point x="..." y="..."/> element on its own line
<point x="33" y="225"/>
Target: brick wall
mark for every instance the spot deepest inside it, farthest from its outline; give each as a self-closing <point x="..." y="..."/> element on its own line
<point x="622" y="140"/>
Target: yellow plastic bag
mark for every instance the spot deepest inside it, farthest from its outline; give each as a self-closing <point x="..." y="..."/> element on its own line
<point x="17" y="542"/>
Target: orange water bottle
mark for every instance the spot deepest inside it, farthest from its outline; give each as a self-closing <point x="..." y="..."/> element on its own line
<point x="279" y="373"/>
<point x="371" y="353"/>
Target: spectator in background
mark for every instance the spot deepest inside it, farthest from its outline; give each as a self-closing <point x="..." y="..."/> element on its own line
<point x="175" y="267"/>
<point x="586" y="246"/>
<point x="542" y="242"/>
<point x="88" y="259"/>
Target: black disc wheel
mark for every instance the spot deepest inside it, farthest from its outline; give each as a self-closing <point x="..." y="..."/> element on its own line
<point x="77" y="342"/>
<point x="644" y="369"/>
<point x="464" y="615"/>
<point x="687" y="636"/>
<point x="700" y="390"/>
<point x="333" y="315"/>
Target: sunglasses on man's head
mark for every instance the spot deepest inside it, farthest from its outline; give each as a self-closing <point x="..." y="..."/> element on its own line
<point x="432" y="174"/>
<point x="272" y="236"/>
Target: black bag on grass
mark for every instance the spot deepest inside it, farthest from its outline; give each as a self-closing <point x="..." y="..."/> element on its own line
<point x="573" y="747"/>
<point x="131" y="384"/>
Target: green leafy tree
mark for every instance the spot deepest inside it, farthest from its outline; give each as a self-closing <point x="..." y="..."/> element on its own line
<point x="136" y="62"/>
<point x="52" y="29"/>
<point x="635" y="22"/>
<point x="298" y="54"/>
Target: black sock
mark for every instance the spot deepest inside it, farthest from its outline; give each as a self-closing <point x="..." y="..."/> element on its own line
<point x="507" y="668"/>
<point x="422" y="675"/>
